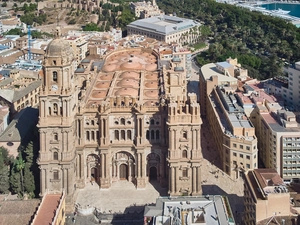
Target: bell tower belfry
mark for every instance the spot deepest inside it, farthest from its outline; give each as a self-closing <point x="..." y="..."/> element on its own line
<point x="184" y="153"/>
<point x="58" y="101"/>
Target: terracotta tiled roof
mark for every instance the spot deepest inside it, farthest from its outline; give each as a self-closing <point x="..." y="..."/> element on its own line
<point x="47" y="209"/>
<point x="17" y="212"/>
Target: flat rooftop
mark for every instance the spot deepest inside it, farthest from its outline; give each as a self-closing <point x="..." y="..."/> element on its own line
<point x="198" y="210"/>
<point x="210" y="70"/>
<point x="164" y="24"/>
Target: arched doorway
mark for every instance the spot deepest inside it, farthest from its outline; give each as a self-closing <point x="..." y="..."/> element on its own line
<point x="123" y="172"/>
<point x="153" y="174"/>
<point x="94" y="175"/>
<point x="93" y="168"/>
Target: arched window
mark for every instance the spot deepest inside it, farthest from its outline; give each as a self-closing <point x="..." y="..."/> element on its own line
<point x="54" y="76"/>
<point x="152" y="134"/>
<point x="123" y="121"/>
<point x="49" y="111"/>
<point x="147" y="134"/>
<point x="55" y="155"/>
<point x="55" y="137"/>
<point x="122" y="134"/>
<point x="55" y="109"/>
<point x="93" y="122"/>
<point x="88" y="135"/>
<point x="184" y="134"/>
<point x="152" y="121"/>
<point x="157" y="135"/>
<point x="116" y="135"/>
<point x="93" y="135"/>
<point x="55" y="175"/>
<point x="129" y="134"/>
<point x="184" y="154"/>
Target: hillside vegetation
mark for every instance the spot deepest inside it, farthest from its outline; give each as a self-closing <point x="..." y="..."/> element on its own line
<point x="261" y="43"/>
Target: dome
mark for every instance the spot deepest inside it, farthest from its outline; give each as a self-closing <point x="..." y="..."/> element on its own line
<point x="103" y="84"/>
<point x="152" y="76"/>
<point x="152" y="93"/>
<point x="128" y="83"/>
<point x="106" y="77"/>
<point x="127" y="92"/>
<point x="109" y="67"/>
<point x="152" y="84"/>
<point x="130" y="74"/>
<point x="59" y="48"/>
<point x="130" y="65"/>
<point x="151" y="67"/>
<point x="99" y="94"/>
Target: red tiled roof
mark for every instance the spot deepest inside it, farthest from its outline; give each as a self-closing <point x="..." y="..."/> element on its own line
<point x="47" y="209"/>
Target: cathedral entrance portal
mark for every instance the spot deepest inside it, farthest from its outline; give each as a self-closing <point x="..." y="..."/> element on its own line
<point x="123" y="172"/>
<point x="94" y="175"/>
<point x="93" y="168"/>
<point x="123" y="166"/>
<point x="153" y="167"/>
<point x="153" y="174"/>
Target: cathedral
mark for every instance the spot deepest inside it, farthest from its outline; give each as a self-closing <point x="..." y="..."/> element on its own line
<point x="126" y="117"/>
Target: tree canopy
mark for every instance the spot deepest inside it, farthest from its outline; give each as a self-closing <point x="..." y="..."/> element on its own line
<point x="261" y="43"/>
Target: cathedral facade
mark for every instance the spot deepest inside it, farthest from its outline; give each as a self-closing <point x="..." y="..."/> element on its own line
<point x="124" y="118"/>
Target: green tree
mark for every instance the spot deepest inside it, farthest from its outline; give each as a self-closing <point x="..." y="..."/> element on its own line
<point x="5" y="161"/>
<point x="19" y="165"/>
<point x="91" y="27"/>
<point x="4" y="4"/>
<point x="15" y="181"/>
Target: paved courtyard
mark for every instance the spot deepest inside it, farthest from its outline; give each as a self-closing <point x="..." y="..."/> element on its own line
<point x="121" y="197"/>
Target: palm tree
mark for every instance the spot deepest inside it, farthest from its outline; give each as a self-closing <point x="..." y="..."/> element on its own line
<point x="20" y="164"/>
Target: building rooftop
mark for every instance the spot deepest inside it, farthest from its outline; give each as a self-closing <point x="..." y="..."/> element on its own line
<point x="20" y="125"/>
<point x="264" y="182"/>
<point x="17" y="212"/>
<point x="164" y="24"/>
<point x="210" y="70"/>
<point x="208" y="210"/>
<point x="129" y="73"/>
<point x="47" y="210"/>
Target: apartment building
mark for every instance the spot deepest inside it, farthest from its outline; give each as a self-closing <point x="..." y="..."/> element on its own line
<point x="181" y="58"/>
<point x="291" y="94"/>
<point x="278" y="134"/>
<point x="233" y="132"/>
<point x="20" y="90"/>
<point x="79" y="46"/>
<point x="215" y="74"/>
<point x="265" y="196"/>
<point x="167" y="28"/>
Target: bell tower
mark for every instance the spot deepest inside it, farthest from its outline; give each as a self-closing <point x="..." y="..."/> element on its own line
<point x="58" y="101"/>
<point x="184" y="153"/>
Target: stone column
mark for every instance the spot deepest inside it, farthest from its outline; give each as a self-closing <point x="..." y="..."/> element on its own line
<point x="77" y="165"/>
<point x="138" y="165"/>
<point x="194" y="180"/>
<point x="68" y="180"/>
<point x="176" y="180"/>
<point x="194" y="140"/>
<point x="129" y="170"/>
<point x="198" y="178"/>
<point x="102" y="166"/>
<point x="173" y="180"/>
<point x="141" y="165"/>
<point x="198" y="139"/>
